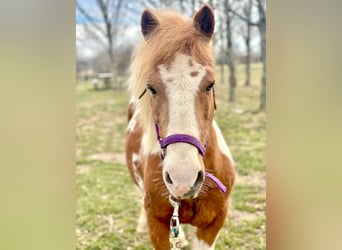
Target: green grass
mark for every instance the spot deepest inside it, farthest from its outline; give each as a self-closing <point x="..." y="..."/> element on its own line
<point x="108" y="203"/>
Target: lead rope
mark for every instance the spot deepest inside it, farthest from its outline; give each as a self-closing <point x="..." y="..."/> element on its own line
<point x="175" y="242"/>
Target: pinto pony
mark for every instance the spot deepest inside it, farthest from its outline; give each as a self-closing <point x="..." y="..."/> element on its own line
<point x="174" y="148"/>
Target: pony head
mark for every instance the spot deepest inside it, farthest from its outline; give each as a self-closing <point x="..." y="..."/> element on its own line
<point x="175" y="64"/>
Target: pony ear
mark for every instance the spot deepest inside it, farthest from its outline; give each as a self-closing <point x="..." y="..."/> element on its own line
<point x="148" y="23"/>
<point x="204" y="21"/>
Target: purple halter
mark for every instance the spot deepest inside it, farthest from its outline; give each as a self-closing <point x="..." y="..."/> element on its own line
<point x="164" y="142"/>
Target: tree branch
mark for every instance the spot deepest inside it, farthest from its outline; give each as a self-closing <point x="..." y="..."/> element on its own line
<point x="92" y="35"/>
<point x="261" y="8"/>
<point x="242" y="17"/>
<point x="89" y="18"/>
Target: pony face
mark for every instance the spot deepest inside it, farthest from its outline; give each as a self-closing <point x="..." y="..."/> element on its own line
<point x="182" y="102"/>
<point x="180" y="80"/>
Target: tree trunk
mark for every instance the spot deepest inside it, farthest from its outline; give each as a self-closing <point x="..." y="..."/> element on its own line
<point x="112" y="63"/>
<point x="232" y="82"/>
<point x="193" y="4"/>
<point x="221" y="33"/>
<point x="248" y="59"/>
<point x="232" y="78"/>
<point x="181" y="3"/>
<point x="248" y="13"/>
<point x="222" y="70"/>
<point x="262" y="30"/>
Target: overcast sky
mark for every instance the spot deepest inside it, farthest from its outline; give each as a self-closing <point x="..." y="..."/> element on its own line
<point x="87" y="47"/>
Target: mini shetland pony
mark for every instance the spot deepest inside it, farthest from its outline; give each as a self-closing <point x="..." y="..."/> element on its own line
<point x="173" y="145"/>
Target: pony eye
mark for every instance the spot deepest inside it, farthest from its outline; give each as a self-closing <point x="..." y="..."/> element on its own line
<point x="151" y="89"/>
<point x="210" y="86"/>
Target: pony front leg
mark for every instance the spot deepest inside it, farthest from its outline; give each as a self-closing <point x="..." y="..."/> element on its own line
<point x="205" y="239"/>
<point x="159" y="233"/>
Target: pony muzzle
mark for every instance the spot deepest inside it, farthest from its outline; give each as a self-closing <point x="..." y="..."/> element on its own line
<point x="181" y="188"/>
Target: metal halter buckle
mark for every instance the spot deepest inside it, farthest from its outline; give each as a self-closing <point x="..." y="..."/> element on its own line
<point x="162" y="153"/>
<point x="174" y="221"/>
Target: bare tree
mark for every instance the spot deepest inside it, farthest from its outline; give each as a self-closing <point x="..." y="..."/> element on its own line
<point x="222" y="45"/>
<point x="193" y="4"/>
<point x="104" y="22"/>
<point x="231" y="65"/>
<point x="182" y="7"/>
<point x="261" y="25"/>
<point x="247" y="9"/>
<point x="262" y="31"/>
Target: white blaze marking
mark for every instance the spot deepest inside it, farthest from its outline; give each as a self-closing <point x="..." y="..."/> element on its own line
<point x="181" y="90"/>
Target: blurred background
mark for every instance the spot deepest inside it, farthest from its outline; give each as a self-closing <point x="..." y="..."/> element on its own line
<point x="108" y="203"/>
<point x="108" y="30"/>
<point x="38" y="132"/>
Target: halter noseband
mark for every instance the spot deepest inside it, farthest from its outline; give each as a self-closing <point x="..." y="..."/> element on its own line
<point x="164" y="142"/>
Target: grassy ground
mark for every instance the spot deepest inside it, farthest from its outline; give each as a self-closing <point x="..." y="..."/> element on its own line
<point x="108" y="204"/>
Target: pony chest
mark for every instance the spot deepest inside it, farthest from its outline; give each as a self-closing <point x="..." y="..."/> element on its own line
<point x="196" y="213"/>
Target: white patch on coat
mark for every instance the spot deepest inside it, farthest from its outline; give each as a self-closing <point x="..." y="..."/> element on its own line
<point x="132" y="122"/>
<point x="182" y="237"/>
<point x="137" y="177"/>
<point x="201" y="245"/>
<point x="181" y="90"/>
<point x="221" y="142"/>
<point x="142" y="223"/>
<point x="132" y="100"/>
<point x="149" y="147"/>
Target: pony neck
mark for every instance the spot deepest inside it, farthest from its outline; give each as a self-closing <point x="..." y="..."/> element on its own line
<point x="216" y="150"/>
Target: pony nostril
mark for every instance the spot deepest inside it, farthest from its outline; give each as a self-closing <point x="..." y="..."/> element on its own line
<point x="200" y="178"/>
<point x="168" y="178"/>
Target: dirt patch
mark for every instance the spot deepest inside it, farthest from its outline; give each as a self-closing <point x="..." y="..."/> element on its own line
<point x="91" y="104"/>
<point x="106" y="118"/>
<point x="237" y="216"/>
<point x="108" y="124"/>
<point x="110" y="157"/>
<point x="87" y="121"/>
<point x="255" y="121"/>
<point x="256" y="179"/>
<point x="83" y="169"/>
